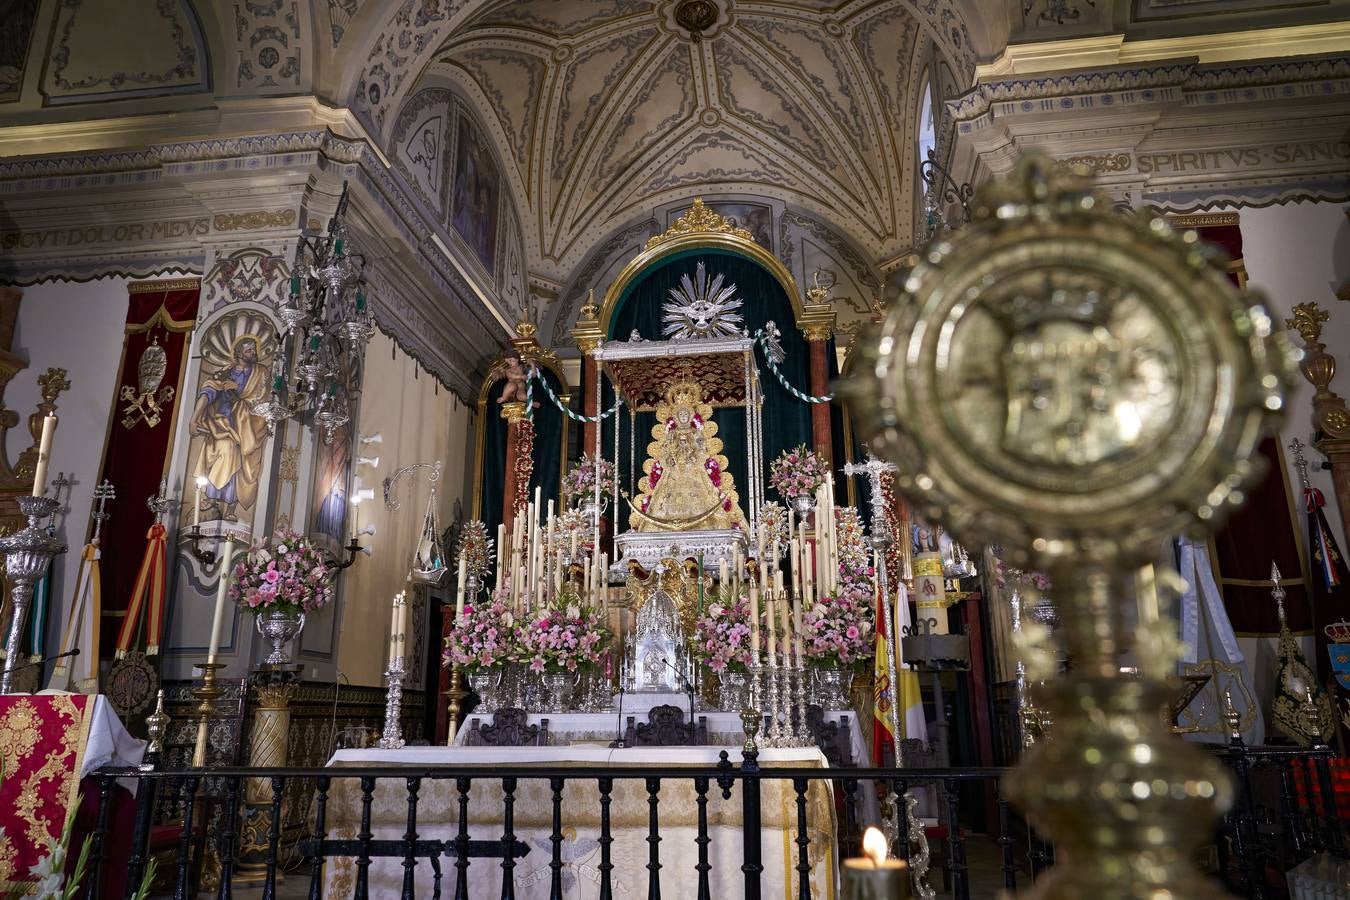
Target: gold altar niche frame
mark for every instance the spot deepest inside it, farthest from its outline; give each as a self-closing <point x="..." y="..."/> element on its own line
<point x="701" y="228"/>
<point x="673" y="574"/>
<point x="525" y="345"/>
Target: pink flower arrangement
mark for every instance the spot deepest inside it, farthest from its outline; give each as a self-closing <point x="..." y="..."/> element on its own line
<point x="580" y="479"/>
<point x="837" y="631"/>
<point x="722" y="636"/>
<point x="563" y="637"/>
<point x="484" y="636"/>
<point x="288" y="573"/>
<point x="797" y="472"/>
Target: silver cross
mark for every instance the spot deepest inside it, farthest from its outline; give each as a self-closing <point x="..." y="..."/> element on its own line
<point x="102" y="494"/>
<point x="874" y="468"/>
<point x="160" y="503"/>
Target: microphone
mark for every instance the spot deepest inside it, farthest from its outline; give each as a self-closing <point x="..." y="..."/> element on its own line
<point x="618" y="741"/>
<point x="688" y="687"/>
<point x="46" y="659"/>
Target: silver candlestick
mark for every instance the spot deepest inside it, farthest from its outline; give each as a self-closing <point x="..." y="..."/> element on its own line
<point x="392" y="736"/>
<point x="28" y="553"/>
<point x="801" y="730"/>
<point x="773" y="736"/>
<point x="789" y="736"/>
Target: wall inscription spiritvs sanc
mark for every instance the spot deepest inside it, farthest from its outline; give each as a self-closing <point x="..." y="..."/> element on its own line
<point x="1234" y="158"/>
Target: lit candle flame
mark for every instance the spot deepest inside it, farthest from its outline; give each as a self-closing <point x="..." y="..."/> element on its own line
<point x="874" y="846"/>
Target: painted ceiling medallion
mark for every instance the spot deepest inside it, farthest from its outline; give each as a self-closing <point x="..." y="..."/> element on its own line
<point x="696" y="20"/>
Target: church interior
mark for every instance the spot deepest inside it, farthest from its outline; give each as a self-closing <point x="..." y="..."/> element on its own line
<point x="674" y="448"/>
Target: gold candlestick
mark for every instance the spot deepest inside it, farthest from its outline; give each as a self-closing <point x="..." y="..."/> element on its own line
<point x="1074" y="385"/>
<point x="207" y="694"/>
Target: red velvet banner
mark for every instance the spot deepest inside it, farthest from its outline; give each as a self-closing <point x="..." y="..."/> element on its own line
<point x="1264" y="530"/>
<point x="42" y="743"/>
<point x="140" y="433"/>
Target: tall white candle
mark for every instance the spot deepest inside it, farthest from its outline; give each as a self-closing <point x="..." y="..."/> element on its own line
<point x="786" y="627"/>
<point x="769" y="609"/>
<point x="754" y="622"/>
<point x="197" y="502"/>
<point x="403" y="627"/>
<point x="44" y="457"/>
<point x="393" y="628"/>
<point x="222" y="589"/>
<point x="459" y="593"/>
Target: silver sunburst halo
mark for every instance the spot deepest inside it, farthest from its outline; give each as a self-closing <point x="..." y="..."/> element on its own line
<point x="699" y="309"/>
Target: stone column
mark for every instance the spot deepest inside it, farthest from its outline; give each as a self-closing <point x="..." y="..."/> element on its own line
<point x="1330" y="419"/>
<point x="817" y="325"/>
<point x="588" y="335"/>
<point x="268" y="746"/>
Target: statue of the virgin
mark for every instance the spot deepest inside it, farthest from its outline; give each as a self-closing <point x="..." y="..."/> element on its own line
<point x="686" y="486"/>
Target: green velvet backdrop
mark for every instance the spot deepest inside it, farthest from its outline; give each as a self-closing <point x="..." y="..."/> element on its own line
<point x="548" y="422"/>
<point x="787" y="421"/>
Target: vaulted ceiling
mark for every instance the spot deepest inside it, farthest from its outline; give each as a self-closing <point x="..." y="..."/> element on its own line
<point x="604" y="109"/>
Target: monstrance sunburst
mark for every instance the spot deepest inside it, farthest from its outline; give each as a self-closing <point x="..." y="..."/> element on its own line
<point x="699" y="309"/>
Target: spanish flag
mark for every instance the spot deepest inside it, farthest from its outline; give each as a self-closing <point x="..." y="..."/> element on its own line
<point x="883" y="698"/>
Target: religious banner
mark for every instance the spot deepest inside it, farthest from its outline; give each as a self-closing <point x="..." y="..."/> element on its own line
<point x="930" y="588"/>
<point x="160" y="316"/>
<point x="42" y="744"/>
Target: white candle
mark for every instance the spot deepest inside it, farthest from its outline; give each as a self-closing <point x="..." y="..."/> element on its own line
<point x="754" y="622"/>
<point x="722" y="576"/>
<point x="459" y="593"/>
<point x="393" y="629"/>
<point x="197" y="503"/>
<point x="785" y="625"/>
<point x="44" y="457"/>
<point x="501" y="546"/>
<point x="222" y="588"/>
<point x="769" y="609"/>
<point x="403" y="628"/>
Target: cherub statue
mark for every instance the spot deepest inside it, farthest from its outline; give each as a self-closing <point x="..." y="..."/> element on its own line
<point x="517" y="379"/>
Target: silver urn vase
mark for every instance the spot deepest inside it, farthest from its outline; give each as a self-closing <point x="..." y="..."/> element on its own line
<point x="280" y="627"/>
<point x="558" y="691"/>
<point x="485" y="683"/>
<point x="733" y="692"/>
<point x="830" y="688"/>
<point x="804" y="504"/>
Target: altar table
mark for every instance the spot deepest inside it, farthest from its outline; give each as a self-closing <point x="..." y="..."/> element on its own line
<point x="438" y="819"/>
<point x="724" y="728"/>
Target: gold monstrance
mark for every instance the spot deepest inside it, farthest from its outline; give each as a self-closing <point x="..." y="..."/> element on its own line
<point x="1075" y="385"/>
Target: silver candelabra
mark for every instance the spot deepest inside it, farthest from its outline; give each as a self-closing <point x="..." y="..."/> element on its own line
<point x="392" y="736"/>
<point x="28" y="553"/>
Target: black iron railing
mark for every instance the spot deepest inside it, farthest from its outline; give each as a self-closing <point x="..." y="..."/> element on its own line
<point x="1268" y="826"/>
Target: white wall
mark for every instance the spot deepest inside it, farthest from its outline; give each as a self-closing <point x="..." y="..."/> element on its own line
<point x="77" y="327"/>
<point x="1295" y="253"/>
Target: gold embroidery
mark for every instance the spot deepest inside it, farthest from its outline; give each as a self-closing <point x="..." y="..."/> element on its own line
<point x="18" y="734"/>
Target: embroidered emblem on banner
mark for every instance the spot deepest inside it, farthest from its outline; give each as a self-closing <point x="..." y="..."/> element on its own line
<point x="147" y="401"/>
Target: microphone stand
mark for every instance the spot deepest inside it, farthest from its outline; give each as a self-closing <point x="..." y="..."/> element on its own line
<point x="688" y="686"/>
<point x="46" y="659"/>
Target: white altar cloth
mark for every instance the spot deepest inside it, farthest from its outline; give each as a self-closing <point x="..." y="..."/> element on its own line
<point x="724" y="728"/>
<point x="438" y="818"/>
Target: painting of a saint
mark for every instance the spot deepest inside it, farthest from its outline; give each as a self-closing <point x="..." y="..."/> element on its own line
<point x="17" y="18"/>
<point x="228" y="438"/>
<point x="328" y="514"/>
<point x="477" y="186"/>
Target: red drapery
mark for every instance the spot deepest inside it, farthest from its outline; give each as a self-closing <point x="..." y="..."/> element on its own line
<point x="137" y="456"/>
<point x="1265" y="529"/>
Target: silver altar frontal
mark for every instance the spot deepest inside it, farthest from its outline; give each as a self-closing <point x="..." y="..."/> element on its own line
<point x="648" y="548"/>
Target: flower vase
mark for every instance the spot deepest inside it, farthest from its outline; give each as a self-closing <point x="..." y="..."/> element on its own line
<point x="830" y="688"/>
<point x="280" y="627"/>
<point x="732" y="691"/>
<point x="485" y="683"/>
<point x="804" y="504"/>
<point x="558" y="691"/>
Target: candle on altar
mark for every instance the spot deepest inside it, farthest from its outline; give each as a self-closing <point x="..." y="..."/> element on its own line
<point x="501" y="547"/>
<point x="722" y="575"/>
<point x="197" y="502"/>
<point x="44" y="456"/>
<point x="587" y="589"/>
<point x="797" y="635"/>
<point x="393" y="629"/>
<point x="459" y="591"/>
<point x="875" y="876"/>
<point x="770" y="603"/>
<point x="785" y="625"/>
<point x="794" y="564"/>
<point x="754" y="623"/>
<point x="222" y="589"/>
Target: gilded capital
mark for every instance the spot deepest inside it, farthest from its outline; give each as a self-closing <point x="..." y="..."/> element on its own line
<point x="818" y="331"/>
<point x="514" y="411"/>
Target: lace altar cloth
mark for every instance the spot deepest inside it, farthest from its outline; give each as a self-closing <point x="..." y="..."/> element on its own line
<point x="437" y="818"/>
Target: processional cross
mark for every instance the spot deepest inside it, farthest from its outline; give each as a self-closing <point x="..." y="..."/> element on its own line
<point x="102" y="494"/>
<point x="874" y="468"/>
